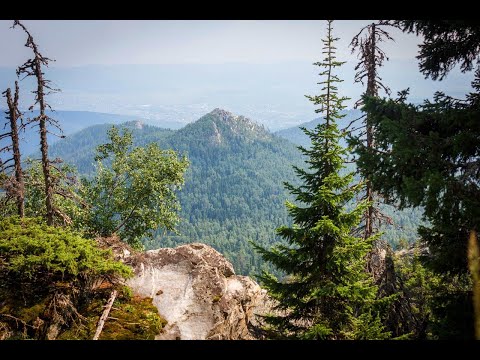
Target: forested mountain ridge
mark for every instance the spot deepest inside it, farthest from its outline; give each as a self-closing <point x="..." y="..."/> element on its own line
<point x="233" y="190"/>
<point x="72" y="122"/>
<point x="79" y="148"/>
<point x="297" y="136"/>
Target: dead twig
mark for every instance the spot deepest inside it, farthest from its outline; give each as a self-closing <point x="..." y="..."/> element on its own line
<point x="104" y="316"/>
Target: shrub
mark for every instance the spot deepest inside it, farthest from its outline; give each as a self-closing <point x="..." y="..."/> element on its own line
<point x="29" y="249"/>
<point x="47" y="273"/>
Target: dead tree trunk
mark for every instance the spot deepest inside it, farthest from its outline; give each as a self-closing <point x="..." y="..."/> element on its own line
<point x="371" y="57"/>
<point x="33" y="67"/>
<point x="474" y="267"/>
<point x="371" y="91"/>
<point x="104" y="316"/>
<point x="13" y="116"/>
<point x="42" y="119"/>
<point x="46" y="170"/>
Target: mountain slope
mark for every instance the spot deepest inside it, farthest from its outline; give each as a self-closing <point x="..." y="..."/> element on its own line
<point x="234" y="187"/>
<point x="297" y="136"/>
<point x="70" y="122"/>
<point x="79" y="149"/>
<point x="233" y="191"/>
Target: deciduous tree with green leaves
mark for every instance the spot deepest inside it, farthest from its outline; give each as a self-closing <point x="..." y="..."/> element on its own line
<point x="327" y="293"/>
<point x="133" y="190"/>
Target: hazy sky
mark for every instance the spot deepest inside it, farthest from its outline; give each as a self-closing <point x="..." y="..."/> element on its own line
<point x="261" y="69"/>
<point x="85" y="42"/>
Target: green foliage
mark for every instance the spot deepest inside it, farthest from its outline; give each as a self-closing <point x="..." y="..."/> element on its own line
<point x="46" y="274"/>
<point x="452" y="308"/>
<point x="135" y="195"/>
<point x="297" y="136"/>
<point x="418" y="285"/>
<point x="233" y="189"/>
<point x="131" y="318"/>
<point x="328" y="294"/>
<point x="428" y="156"/>
<point x="446" y="43"/>
<point x="30" y="250"/>
<point x="404" y="222"/>
<point x="79" y="149"/>
<point x="70" y="209"/>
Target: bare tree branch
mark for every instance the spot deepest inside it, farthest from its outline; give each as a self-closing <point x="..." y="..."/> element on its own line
<point x="33" y="67"/>
<point x="16" y="189"/>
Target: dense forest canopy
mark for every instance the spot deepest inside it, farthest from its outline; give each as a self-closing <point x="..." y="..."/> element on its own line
<point x="233" y="190"/>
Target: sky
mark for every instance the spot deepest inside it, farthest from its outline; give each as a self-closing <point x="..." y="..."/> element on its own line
<point x="107" y="42"/>
<point x="178" y="70"/>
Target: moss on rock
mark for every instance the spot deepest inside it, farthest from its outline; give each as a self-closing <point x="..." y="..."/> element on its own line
<point x="131" y="318"/>
<point x="54" y="284"/>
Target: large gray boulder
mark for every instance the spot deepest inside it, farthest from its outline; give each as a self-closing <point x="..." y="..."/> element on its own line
<point x="196" y="290"/>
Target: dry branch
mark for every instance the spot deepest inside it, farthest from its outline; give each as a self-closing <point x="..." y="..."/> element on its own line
<point x="33" y="67"/>
<point x="104" y="316"/>
<point x="17" y="184"/>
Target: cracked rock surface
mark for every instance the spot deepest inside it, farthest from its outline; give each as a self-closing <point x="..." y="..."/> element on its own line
<point x="196" y="290"/>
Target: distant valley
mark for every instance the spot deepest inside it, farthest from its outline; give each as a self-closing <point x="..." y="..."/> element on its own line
<point x="272" y="94"/>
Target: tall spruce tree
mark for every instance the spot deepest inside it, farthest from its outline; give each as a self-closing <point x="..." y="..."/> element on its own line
<point x="327" y="293"/>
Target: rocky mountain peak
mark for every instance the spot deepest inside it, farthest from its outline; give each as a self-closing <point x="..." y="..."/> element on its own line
<point x="225" y="123"/>
<point x="134" y="124"/>
<point x="222" y="114"/>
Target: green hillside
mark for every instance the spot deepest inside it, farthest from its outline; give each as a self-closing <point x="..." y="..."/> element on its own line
<point x="79" y="149"/>
<point x="71" y="121"/>
<point x="233" y="189"/>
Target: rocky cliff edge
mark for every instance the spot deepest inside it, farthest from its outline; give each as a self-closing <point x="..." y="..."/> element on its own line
<point x="196" y="290"/>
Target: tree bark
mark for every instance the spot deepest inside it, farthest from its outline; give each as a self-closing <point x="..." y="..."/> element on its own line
<point x="371" y="91"/>
<point x="44" y="143"/>
<point x="46" y="170"/>
<point x="13" y="116"/>
<point x="474" y="266"/>
<point x="33" y="67"/>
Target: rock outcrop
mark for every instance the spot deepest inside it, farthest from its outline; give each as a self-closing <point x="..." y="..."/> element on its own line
<point x="196" y="290"/>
